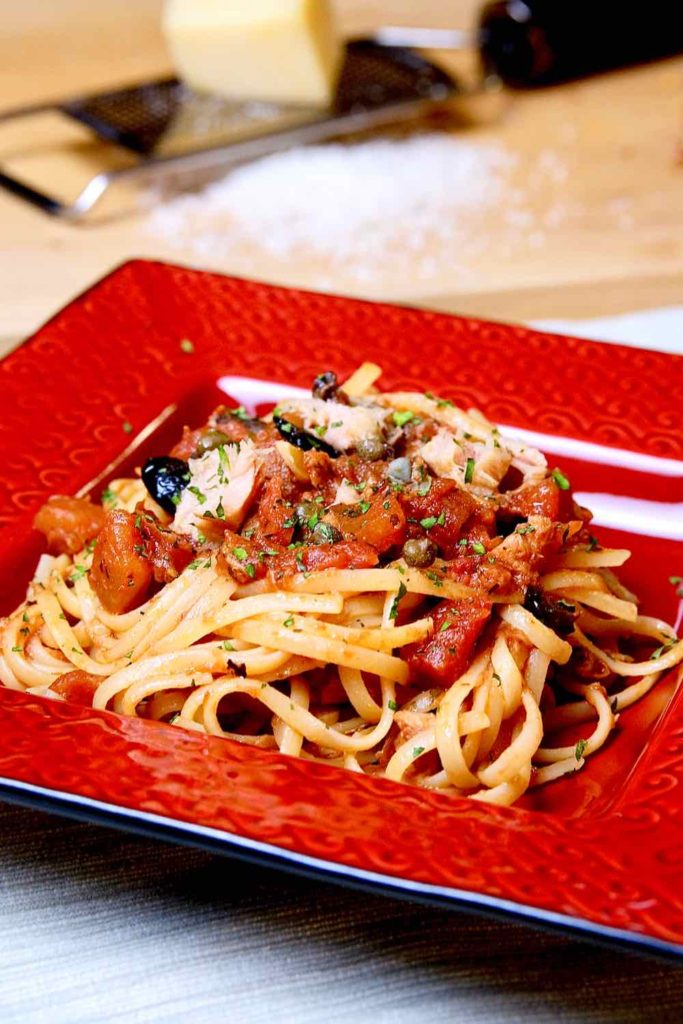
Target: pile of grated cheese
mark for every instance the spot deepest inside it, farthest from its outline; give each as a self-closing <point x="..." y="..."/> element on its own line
<point x="354" y="206"/>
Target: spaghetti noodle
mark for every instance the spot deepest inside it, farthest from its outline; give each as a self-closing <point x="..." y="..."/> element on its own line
<point x="376" y="580"/>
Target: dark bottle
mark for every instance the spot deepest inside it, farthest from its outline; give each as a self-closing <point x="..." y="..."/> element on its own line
<point x="538" y="42"/>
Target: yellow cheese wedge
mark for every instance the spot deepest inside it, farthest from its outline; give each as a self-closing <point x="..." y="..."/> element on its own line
<point x="280" y="51"/>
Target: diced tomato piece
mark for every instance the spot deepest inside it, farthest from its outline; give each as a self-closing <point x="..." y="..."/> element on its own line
<point x="446" y="504"/>
<point x="77" y="687"/>
<point x="346" y="554"/>
<point x="482" y="573"/>
<point x="120" y="574"/>
<point x="168" y="552"/>
<point x="243" y="558"/>
<point x="274" y="510"/>
<point x="380" y="522"/>
<point x="445" y="655"/>
<point x="69" y="523"/>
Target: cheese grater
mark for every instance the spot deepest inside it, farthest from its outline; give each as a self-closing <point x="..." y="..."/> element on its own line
<point x="178" y="137"/>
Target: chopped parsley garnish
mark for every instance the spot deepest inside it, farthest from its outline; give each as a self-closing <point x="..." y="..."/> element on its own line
<point x="288" y="523"/>
<point x="313" y="520"/>
<point x="289" y="622"/>
<point x="469" y="471"/>
<point x="174" y="717"/>
<point x="227" y="646"/>
<point x="25" y="618"/>
<point x="527" y="528"/>
<point x="561" y="480"/>
<point x="195" y="565"/>
<point x="320" y="431"/>
<point x="327" y="532"/>
<point x="677" y="582"/>
<point x="400" y="594"/>
<point x="478" y="548"/>
<point x="592" y="544"/>
<point x="446" y="624"/>
<point x="201" y="498"/>
<point x="428" y="522"/>
<point x="127" y="427"/>
<point x="186" y="346"/>
<point x="109" y="497"/>
<point x="579" y="749"/>
<point x="392" y="705"/>
<point x="440" y="402"/>
<point x="18" y="650"/>
<point x="402" y="417"/>
<point x="240" y="553"/>
<point x="425" y="487"/>
<point x="417" y="751"/>
<point x="435" y="578"/>
<point x="664" y="649"/>
<point x="337" y="423"/>
<point x="78" y="573"/>
<point x="363" y="506"/>
<point x="240" y="412"/>
<point x="220" y="511"/>
<point x="250" y="570"/>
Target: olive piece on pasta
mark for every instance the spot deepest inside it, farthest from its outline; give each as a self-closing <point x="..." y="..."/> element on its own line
<point x="371" y="448"/>
<point x="300" y="439"/>
<point x="209" y="441"/>
<point x="419" y="552"/>
<point x="165" y="478"/>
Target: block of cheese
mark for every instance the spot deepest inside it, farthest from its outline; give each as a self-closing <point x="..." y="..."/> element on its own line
<point x="281" y="51"/>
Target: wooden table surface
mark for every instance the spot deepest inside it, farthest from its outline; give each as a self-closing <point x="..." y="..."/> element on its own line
<point x="604" y="152"/>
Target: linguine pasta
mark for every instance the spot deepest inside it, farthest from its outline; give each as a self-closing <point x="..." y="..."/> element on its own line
<point x="374" y="580"/>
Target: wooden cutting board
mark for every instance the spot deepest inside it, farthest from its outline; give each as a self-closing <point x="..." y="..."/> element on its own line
<point x="597" y="163"/>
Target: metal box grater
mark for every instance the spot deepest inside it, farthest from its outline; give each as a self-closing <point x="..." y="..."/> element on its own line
<point x="178" y="135"/>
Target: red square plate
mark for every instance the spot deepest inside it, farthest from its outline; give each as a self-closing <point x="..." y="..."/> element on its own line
<point x="599" y="852"/>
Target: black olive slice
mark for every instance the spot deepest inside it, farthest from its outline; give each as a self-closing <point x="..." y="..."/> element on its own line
<point x="166" y="478"/>
<point x="559" y="616"/>
<point x="300" y="439"/>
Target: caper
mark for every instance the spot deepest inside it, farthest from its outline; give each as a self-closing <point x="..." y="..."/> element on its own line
<point x="325" y="533"/>
<point x="306" y="510"/>
<point x="325" y="386"/>
<point x="400" y="469"/>
<point x="209" y="441"/>
<point x="370" y="448"/>
<point x="420" y="552"/>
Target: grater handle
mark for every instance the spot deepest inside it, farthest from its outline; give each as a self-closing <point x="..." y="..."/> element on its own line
<point x="539" y="42"/>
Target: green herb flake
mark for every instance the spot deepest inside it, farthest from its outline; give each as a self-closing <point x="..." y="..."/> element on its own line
<point x="593" y="544"/>
<point x="435" y="578"/>
<point x="195" y="565"/>
<point x="417" y="751"/>
<point x="478" y="548"/>
<point x="78" y="573"/>
<point x="18" y="650"/>
<point x="400" y="594"/>
<point x="320" y="431"/>
<point x="579" y="749"/>
<point x="469" y="471"/>
<point x="428" y="522"/>
<point x="527" y="528"/>
<point x="313" y="520"/>
<point x="288" y="623"/>
<point x="174" y="717"/>
<point x="400" y="418"/>
<point x="664" y="649"/>
<point x="561" y="480"/>
<point x="201" y="498"/>
<point x="363" y="506"/>
<point x="250" y="570"/>
<point x="227" y="646"/>
<point x="127" y="427"/>
<point x="186" y="346"/>
<point x="240" y="412"/>
<point x="240" y="553"/>
<point x="109" y="498"/>
<point x="446" y="624"/>
<point x="392" y="705"/>
<point x="25" y="618"/>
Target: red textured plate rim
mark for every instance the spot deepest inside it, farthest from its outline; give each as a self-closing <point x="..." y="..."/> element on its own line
<point x="113" y="359"/>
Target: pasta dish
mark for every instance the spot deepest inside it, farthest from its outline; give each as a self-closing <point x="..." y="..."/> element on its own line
<point x="378" y="580"/>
